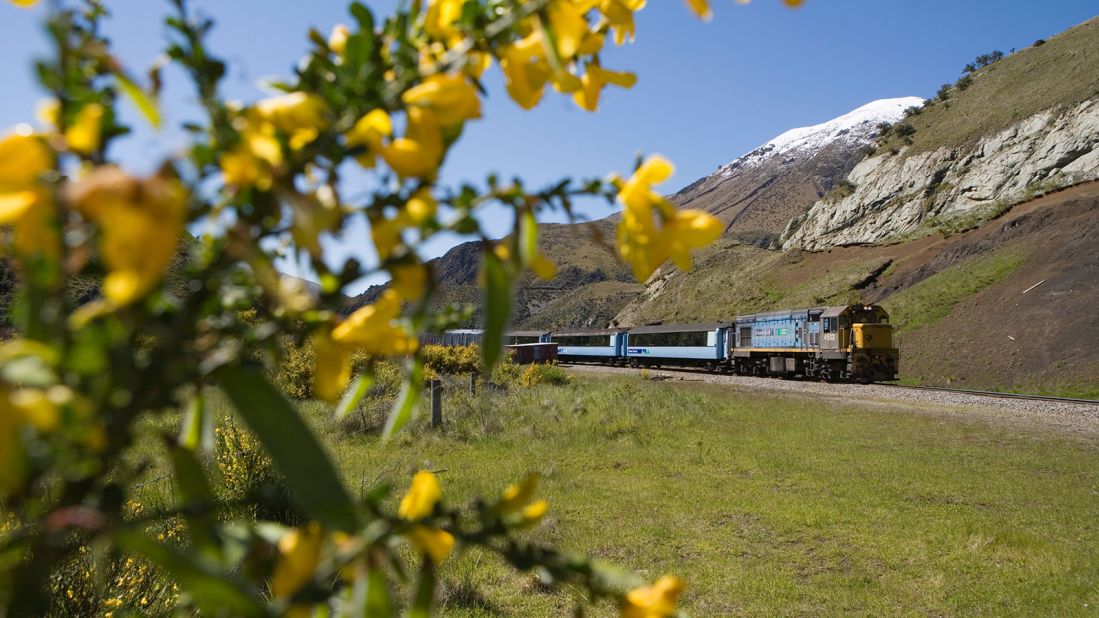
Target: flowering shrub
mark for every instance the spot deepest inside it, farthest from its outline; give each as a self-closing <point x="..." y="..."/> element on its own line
<point x="383" y="96"/>
<point x="543" y="374"/>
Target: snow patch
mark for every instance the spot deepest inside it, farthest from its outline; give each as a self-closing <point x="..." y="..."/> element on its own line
<point x="856" y="127"/>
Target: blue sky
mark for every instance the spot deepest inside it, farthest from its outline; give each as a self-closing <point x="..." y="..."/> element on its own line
<point x="707" y="92"/>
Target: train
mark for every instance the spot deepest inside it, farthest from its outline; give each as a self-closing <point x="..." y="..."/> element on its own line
<point x="837" y="343"/>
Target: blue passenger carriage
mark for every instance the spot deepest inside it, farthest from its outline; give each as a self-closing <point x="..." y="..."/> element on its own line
<point x="606" y="346"/>
<point x="677" y="345"/>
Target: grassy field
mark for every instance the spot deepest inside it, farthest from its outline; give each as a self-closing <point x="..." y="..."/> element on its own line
<point x="765" y="505"/>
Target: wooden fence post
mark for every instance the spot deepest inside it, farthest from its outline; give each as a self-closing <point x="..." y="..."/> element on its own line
<point x="473" y="383"/>
<point x="436" y="404"/>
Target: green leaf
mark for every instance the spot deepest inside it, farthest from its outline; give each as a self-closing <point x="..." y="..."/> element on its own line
<point x="378" y="604"/>
<point x="354" y="395"/>
<point x="358" y="50"/>
<point x="197" y="498"/>
<point x="214" y="592"/>
<point x="528" y="237"/>
<point x="497" y="308"/>
<point x="198" y="426"/>
<point x="362" y="15"/>
<point x="409" y="401"/>
<point x="144" y="104"/>
<point x="309" y="473"/>
<point x="425" y="592"/>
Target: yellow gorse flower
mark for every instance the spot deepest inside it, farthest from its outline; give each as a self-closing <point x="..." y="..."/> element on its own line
<point x="299" y="555"/>
<point x="85" y="134"/>
<point x="419" y="502"/>
<point x="256" y="157"/>
<point x="525" y="70"/>
<point x="434" y="543"/>
<point x="409" y="280"/>
<point x="25" y="202"/>
<point x="140" y="223"/>
<point x="517" y="495"/>
<point x="300" y="116"/>
<point x="643" y="244"/>
<point x="515" y="503"/>
<point x="700" y="8"/>
<point x="453" y="99"/>
<point x="35" y="407"/>
<point x="420" y="152"/>
<point x="656" y="601"/>
<point x="422" y="496"/>
<point x="593" y="82"/>
<point x="620" y="18"/>
<point x="333" y="367"/>
<point x="24" y="3"/>
<point x="337" y="40"/>
<point x="441" y="17"/>
<point x="370" y="131"/>
<point x="374" y="329"/>
<point x="543" y="267"/>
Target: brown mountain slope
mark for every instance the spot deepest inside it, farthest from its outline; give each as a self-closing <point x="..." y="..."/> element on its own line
<point x="756" y="203"/>
<point x="958" y="300"/>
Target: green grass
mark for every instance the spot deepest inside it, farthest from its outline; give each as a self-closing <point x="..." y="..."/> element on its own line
<point x="765" y="505"/>
<point x="773" y="505"/>
<point x="935" y="297"/>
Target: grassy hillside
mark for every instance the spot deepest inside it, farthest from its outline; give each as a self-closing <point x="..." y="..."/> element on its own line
<point x="732" y="278"/>
<point x="765" y="505"/>
<point x="934" y="298"/>
<point x="1059" y="73"/>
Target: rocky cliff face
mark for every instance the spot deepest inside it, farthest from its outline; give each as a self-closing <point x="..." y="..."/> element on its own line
<point x="898" y="194"/>
<point x="755" y="195"/>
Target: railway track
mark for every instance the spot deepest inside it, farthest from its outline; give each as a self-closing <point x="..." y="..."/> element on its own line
<point x="997" y="394"/>
<point x="940" y="389"/>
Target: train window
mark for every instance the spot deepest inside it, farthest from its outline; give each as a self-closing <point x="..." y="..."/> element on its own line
<point x="687" y="339"/>
<point x="828" y="325"/>
<point x="581" y="341"/>
<point x="523" y="340"/>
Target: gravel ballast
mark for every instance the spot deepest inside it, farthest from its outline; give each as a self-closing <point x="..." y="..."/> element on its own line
<point x="1060" y="414"/>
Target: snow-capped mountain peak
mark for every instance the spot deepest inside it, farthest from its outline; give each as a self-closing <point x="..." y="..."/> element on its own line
<point x="857" y="126"/>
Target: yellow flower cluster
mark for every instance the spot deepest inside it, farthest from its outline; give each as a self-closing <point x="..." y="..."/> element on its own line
<point x="419" y="503"/>
<point x="641" y="242"/>
<point x="299" y="555"/>
<point x="140" y="224"/>
<point x="19" y="408"/>
<point x="296" y="118"/>
<point x="555" y="55"/>
<point x="140" y="221"/>
<point x="374" y="329"/>
<point x="656" y="601"/>
<point x="515" y="505"/>
<point x="25" y="202"/>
